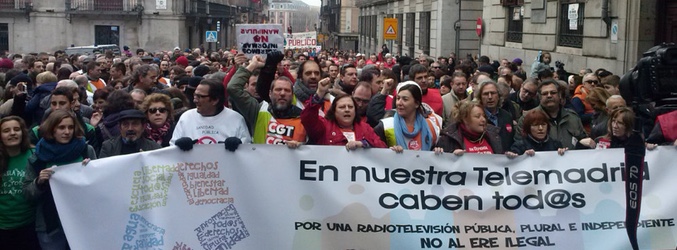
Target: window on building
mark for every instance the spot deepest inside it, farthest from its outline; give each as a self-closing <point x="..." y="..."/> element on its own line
<point x="4" y="37"/>
<point x="360" y="30"/>
<point x="571" y="23"/>
<point x="400" y="25"/>
<point x="374" y="22"/>
<point x="411" y="23"/>
<point x="515" y="24"/>
<point x="106" y="34"/>
<point x="424" y="32"/>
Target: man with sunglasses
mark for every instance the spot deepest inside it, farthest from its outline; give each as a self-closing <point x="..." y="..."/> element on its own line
<point x="131" y="140"/>
<point x="578" y="102"/>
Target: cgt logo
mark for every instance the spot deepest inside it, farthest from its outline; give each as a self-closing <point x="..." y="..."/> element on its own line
<point x="280" y="129"/>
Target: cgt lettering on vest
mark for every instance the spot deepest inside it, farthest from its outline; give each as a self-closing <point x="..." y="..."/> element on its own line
<point x="308" y="42"/>
<point x="280" y="129"/>
<point x="279" y="133"/>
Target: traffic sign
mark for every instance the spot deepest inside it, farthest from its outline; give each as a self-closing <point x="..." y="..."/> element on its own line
<point x="211" y="36"/>
<point x="479" y="27"/>
<point x="389" y="28"/>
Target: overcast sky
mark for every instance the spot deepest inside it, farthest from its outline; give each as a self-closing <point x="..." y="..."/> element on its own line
<point x="313" y="2"/>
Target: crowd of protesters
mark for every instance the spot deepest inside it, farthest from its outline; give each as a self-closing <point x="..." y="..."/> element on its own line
<point x="58" y="109"/>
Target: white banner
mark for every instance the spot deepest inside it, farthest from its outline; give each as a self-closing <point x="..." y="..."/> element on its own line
<point x="322" y="197"/>
<point x="259" y="39"/>
<point x="301" y="40"/>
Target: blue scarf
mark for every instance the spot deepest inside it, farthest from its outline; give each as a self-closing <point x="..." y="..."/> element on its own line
<point x="420" y="126"/>
<point x="54" y="152"/>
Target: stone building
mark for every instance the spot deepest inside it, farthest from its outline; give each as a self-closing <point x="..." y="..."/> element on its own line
<point x="297" y="14"/>
<point x="579" y="33"/>
<point x="431" y="27"/>
<point x="50" y="25"/>
<point x="339" y="24"/>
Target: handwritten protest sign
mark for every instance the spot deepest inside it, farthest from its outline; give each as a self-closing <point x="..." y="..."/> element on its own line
<point x="259" y="39"/>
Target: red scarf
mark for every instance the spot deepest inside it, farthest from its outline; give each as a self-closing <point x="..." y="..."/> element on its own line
<point x="156" y="134"/>
<point x="475" y="142"/>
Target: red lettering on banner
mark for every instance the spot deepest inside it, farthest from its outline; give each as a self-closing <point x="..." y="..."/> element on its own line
<point x="303" y="42"/>
<point x="260" y="31"/>
<point x="260" y="39"/>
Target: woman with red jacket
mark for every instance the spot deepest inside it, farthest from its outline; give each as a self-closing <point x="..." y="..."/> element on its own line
<point x="340" y="126"/>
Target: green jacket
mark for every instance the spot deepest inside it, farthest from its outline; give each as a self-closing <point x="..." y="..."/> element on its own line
<point x="245" y="103"/>
<point x="564" y="128"/>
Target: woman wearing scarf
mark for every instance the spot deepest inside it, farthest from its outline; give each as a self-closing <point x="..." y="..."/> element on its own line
<point x="536" y="127"/>
<point x="159" y="111"/>
<point x="17" y="214"/>
<point x="62" y="143"/>
<point x="414" y="126"/>
<point x="470" y="133"/>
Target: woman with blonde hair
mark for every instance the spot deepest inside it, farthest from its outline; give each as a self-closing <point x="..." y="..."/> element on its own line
<point x="470" y="133"/>
<point x="597" y="98"/>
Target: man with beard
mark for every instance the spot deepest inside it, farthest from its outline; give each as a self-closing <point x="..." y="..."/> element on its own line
<point x="131" y="139"/>
<point x="144" y="77"/>
<point x="276" y="121"/>
<point x="307" y="77"/>
<point x="565" y="125"/>
<point x="459" y="84"/>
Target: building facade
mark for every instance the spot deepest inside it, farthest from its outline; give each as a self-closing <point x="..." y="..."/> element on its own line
<point x="298" y="15"/>
<point x="339" y="24"/>
<point x="430" y="27"/>
<point x="579" y="33"/>
<point x="42" y="25"/>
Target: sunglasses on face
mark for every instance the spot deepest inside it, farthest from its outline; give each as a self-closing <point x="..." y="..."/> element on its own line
<point x="155" y="110"/>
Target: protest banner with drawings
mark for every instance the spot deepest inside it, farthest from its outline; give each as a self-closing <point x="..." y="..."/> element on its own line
<point x="324" y="197"/>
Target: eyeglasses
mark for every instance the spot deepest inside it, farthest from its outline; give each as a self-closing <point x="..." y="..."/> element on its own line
<point x="549" y="93"/>
<point x="200" y="96"/>
<point x="593" y="82"/>
<point x="155" y="110"/>
<point x="436" y="67"/>
<point x="529" y="93"/>
<point x="360" y="100"/>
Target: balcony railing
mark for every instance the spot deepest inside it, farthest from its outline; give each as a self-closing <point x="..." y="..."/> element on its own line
<point x="238" y="3"/>
<point x="14" y="4"/>
<point x="103" y="5"/>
